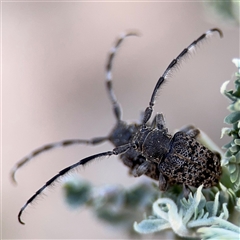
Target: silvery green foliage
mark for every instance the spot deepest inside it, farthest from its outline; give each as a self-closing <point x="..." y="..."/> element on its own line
<point x="232" y="155"/>
<point x="192" y="217"/>
<point x="112" y="203"/>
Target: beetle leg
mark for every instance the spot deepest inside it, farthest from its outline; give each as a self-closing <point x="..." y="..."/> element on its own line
<point x="190" y="130"/>
<point x="159" y="122"/>
<point x="163" y="184"/>
<point x="141" y="169"/>
<point x="186" y="191"/>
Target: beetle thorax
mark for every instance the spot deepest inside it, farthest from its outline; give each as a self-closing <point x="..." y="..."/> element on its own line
<point x="152" y="143"/>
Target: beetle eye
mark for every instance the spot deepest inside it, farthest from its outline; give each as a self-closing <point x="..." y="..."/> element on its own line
<point x="135" y="145"/>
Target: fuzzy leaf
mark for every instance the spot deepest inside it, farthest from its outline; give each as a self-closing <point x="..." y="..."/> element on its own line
<point x="194" y="204"/>
<point x="228" y="153"/>
<point x="235" y="106"/>
<point x="237" y="156"/>
<point x="224" y="87"/>
<point x="216" y="204"/>
<point x="232" y="118"/>
<point x="217" y="234"/>
<point x="225" y="214"/>
<point x="212" y="206"/>
<point x="209" y="207"/>
<point x="232" y="159"/>
<point x="226" y="131"/>
<point x="172" y="216"/>
<point x="234" y="149"/>
<point x="228" y="145"/>
<point x="151" y="226"/>
<point x="77" y="192"/>
<point x="236" y="61"/>
<point x="236" y="185"/>
<point x="234" y="175"/>
<point x="237" y="141"/>
<point x="232" y="168"/>
<point x="230" y="95"/>
<point x="224" y="161"/>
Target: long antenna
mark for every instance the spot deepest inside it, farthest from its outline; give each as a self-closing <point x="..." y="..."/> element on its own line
<point x="174" y="63"/>
<point x="116" y="107"/>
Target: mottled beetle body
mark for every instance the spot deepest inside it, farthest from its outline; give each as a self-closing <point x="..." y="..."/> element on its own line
<point x="193" y="163"/>
<point x="181" y="158"/>
<point x="147" y="149"/>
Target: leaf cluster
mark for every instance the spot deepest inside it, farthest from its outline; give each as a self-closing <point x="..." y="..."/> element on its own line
<point x="112" y="204"/>
<point x="232" y="155"/>
<point x="192" y="217"/>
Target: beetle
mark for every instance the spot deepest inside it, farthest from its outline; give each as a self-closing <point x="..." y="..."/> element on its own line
<point x="148" y="148"/>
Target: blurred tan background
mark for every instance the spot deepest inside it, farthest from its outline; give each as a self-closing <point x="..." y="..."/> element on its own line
<point x="53" y="57"/>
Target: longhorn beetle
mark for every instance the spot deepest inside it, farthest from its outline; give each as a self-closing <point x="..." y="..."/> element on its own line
<point x="148" y="148"/>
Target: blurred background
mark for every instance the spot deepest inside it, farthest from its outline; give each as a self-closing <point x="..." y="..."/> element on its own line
<point x="53" y="60"/>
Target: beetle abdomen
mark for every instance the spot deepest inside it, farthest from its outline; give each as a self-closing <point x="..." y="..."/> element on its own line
<point x="190" y="163"/>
